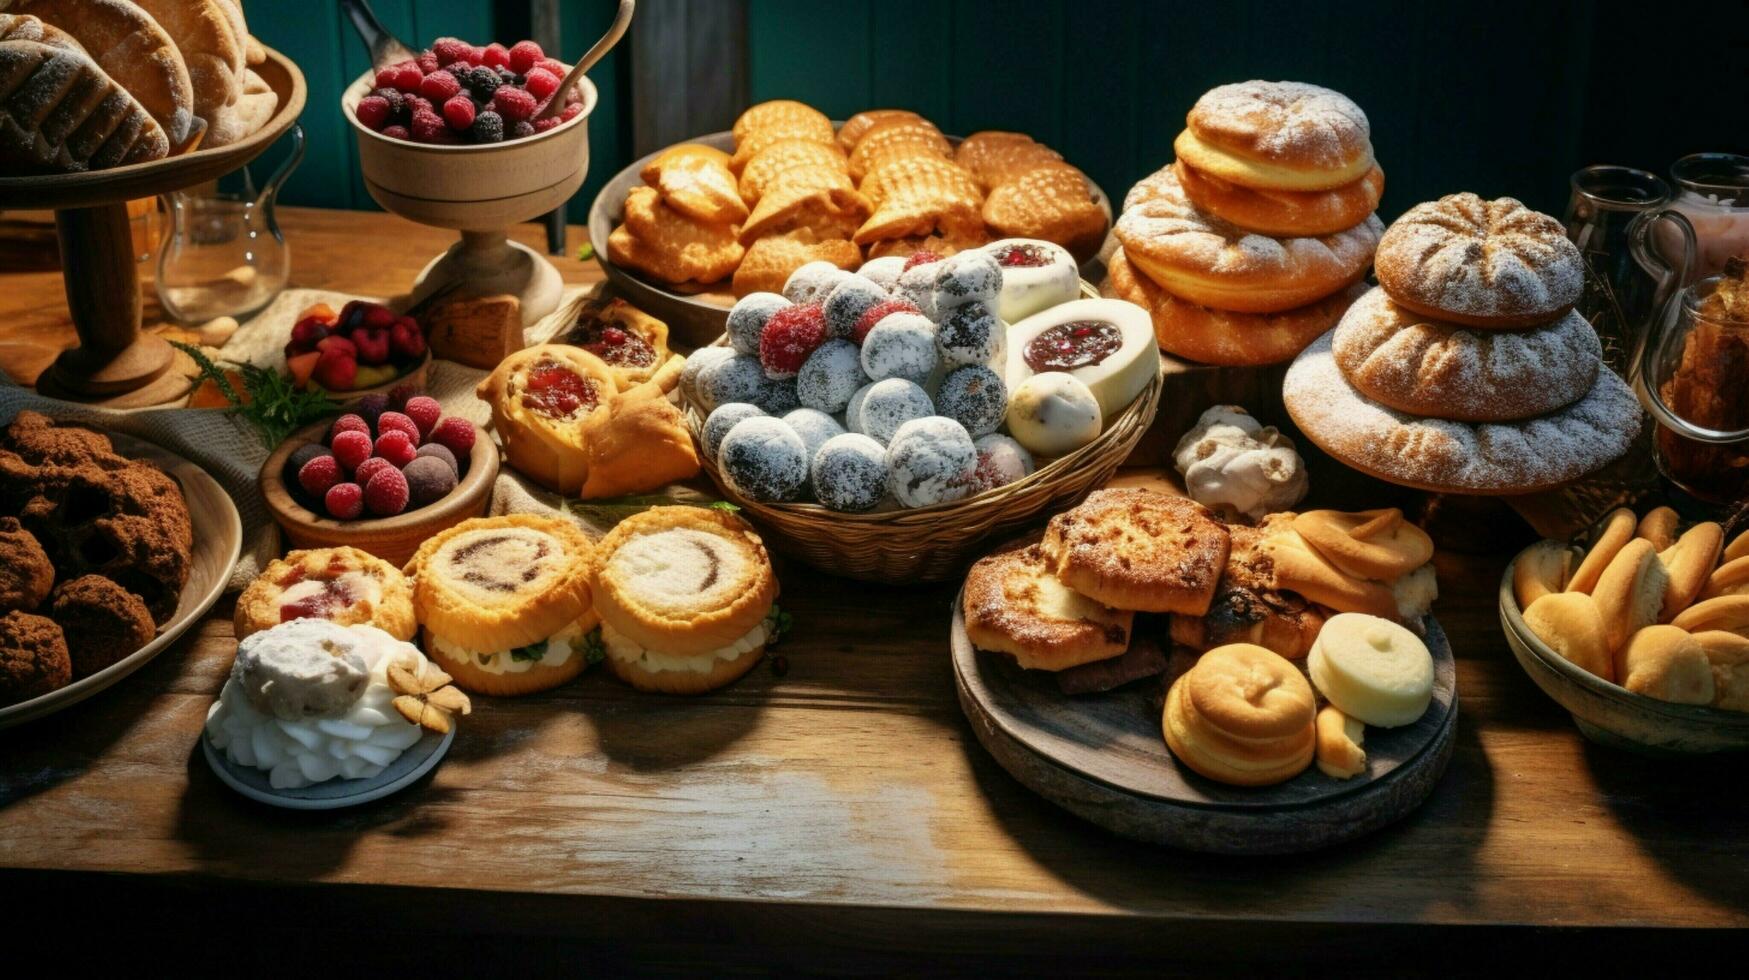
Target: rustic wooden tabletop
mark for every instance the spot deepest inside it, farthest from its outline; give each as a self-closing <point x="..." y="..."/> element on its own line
<point x="839" y="809"/>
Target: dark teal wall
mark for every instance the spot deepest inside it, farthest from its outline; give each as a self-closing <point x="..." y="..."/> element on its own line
<point x="1495" y="96"/>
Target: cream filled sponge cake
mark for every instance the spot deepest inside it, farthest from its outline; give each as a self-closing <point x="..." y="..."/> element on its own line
<point x="505" y="602"/>
<point x="686" y="597"/>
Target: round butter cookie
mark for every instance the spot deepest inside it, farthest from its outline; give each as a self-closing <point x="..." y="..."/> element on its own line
<point x="1495" y="264"/>
<point x="1413" y="364"/>
<point x="342" y="585"/>
<point x="1277" y="136"/>
<point x="1284" y="213"/>
<point x="1242" y="715"/>
<point x="1211" y="336"/>
<point x="1015" y="604"/>
<point x="1458" y="457"/>
<point x="1213" y="263"/>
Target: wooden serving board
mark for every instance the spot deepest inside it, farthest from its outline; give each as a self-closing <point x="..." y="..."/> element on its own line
<point x="1103" y="758"/>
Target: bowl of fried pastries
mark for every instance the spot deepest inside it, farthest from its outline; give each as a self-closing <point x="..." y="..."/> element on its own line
<point x="685" y="231"/>
<point x="1640" y="631"/>
<point x="110" y="547"/>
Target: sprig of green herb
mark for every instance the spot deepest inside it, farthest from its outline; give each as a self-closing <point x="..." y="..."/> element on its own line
<point x="274" y="406"/>
<point x="532" y="652"/>
<point x="594" y="650"/>
<point x="777" y="623"/>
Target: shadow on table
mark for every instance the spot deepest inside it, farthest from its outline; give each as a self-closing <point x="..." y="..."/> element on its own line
<point x="1143" y="877"/>
<point x="1685" y="812"/>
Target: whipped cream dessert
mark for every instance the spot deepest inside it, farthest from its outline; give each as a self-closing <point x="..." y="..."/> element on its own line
<point x="626" y="650"/>
<point x="309" y="701"/>
<point x="1234" y="464"/>
<point x="556" y="651"/>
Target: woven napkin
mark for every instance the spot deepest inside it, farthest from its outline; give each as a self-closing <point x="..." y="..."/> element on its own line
<point x="229" y="449"/>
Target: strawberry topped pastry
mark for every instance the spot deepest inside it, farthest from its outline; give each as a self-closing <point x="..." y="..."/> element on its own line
<point x="456" y="93"/>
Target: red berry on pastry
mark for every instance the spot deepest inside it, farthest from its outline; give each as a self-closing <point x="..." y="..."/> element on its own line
<point x="525" y="55"/>
<point x="351" y="448"/>
<point x="386" y="493"/>
<point x="395" y="447"/>
<point x="790" y="335"/>
<point x="424" y="411"/>
<point x="396" y="421"/>
<point x="318" y="475"/>
<point x="512" y="103"/>
<point x="350" y="422"/>
<point x="456" y="435"/>
<point x="344" y="501"/>
<point x="541" y="83"/>
<point x="922" y="256"/>
<point x="459" y="112"/>
<point x="873" y="315"/>
<point x="372" y="111"/>
<point x="369" y="468"/>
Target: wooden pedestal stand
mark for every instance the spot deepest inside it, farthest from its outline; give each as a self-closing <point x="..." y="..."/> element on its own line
<point x="115" y="364"/>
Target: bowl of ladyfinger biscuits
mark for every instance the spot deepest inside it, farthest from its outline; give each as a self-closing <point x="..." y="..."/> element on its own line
<point x="1640" y="630"/>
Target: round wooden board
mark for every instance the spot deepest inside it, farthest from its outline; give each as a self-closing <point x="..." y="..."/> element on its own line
<point x="1103" y="758"/>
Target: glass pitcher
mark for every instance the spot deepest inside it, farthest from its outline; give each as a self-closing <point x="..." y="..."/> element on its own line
<point x="223" y="253"/>
<point x="1694" y="379"/>
<point x="1620" y="294"/>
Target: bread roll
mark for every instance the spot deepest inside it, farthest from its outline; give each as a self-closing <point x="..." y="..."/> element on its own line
<point x="1687" y="565"/>
<point x="208" y="43"/>
<point x="1631" y="592"/>
<point x="1570" y="624"/>
<point x="1731" y="578"/>
<point x="1544" y="567"/>
<point x="1659" y="527"/>
<point x="60" y="113"/>
<point x="1729" y="655"/>
<point x="1616" y="532"/>
<point x="1727" y="612"/>
<point x="1666" y="663"/>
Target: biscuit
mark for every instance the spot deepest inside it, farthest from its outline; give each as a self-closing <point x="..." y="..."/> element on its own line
<point x="1014" y="604"/>
<point x="994" y="157"/>
<point x="895" y="139"/>
<point x="102" y="622"/>
<point x="858" y="125"/>
<point x="817" y="198"/>
<point x="770" y="260"/>
<point x="675" y="247"/>
<point x="1371" y="544"/>
<point x="1052" y="202"/>
<point x="1139" y="549"/>
<point x="1570" y="624"/>
<point x="779" y="158"/>
<point x="695" y="181"/>
<point x="1299" y="567"/>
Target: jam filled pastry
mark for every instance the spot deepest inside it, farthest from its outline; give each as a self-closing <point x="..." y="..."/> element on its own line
<point x="686" y="599"/>
<point x="539" y="397"/>
<point x="505" y="602"/>
<point x="633" y="344"/>
<point x="342" y="585"/>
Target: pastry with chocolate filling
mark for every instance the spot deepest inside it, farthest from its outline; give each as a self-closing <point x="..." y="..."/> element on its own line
<point x="33" y="657"/>
<point x="26" y="574"/>
<point x="102" y="622"/>
<point x="342" y="585"/>
<point x="505" y="602"/>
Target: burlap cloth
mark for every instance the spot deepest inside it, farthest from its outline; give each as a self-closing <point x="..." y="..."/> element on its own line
<point x="228" y="447"/>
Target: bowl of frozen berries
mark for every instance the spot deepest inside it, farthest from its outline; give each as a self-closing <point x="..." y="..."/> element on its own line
<point x="454" y="138"/>
<point x="359" y="349"/>
<point x="383" y="477"/>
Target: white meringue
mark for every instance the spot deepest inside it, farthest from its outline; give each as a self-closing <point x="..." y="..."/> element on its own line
<point x="1232" y="463"/>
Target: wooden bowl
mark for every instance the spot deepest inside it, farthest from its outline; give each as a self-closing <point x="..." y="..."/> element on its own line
<point x="1610" y="714"/>
<point x="393" y="539"/>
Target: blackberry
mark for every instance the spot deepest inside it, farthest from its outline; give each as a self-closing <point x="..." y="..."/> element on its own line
<point x="396" y="100"/>
<point x="482" y="82"/>
<point x="505" y="75"/>
<point x="488" y="128"/>
<point x="522" y="130"/>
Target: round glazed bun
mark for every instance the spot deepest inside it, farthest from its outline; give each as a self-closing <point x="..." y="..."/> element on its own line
<point x="1271" y="212"/>
<point x="1277" y="136"/>
<point x="1213" y="263"/>
<point x="1220" y="337"/>
<point x="1404" y="360"/>
<point x="491" y="584"/>
<point x="683" y="581"/>
<point x="1480" y="263"/>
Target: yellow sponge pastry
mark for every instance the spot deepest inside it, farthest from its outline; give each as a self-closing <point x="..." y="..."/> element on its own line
<point x="1372" y="669"/>
<point x="1571" y="625"/>
<point x="1666" y="663"/>
<point x="1242" y="715"/>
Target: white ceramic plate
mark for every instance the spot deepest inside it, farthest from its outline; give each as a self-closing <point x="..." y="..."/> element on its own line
<point x="218" y="538"/>
<point x="333" y="794"/>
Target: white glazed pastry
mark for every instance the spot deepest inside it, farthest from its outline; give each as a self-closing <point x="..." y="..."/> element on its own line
<point x="1106" y="344"/>
<point x="1036" y="275"/>
<point x="1372" y="669"/>
<point x="309" y="701"/>
<point x="1053" y="414"/>
<point x="1233" y="464"/>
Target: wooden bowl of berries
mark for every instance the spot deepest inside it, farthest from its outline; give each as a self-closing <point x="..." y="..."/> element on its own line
<point x="380" y="477"/>
<point x="363" y="348"/>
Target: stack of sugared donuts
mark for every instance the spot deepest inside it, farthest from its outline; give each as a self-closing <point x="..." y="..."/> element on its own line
<point x="1466" y="370"/>
<point x="1254" y="241"/>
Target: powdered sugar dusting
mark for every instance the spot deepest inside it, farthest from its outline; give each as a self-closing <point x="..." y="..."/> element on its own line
<point x="1471" y="257"/>
<point x="1451" y="456"/>
<point x="1402" y="359"/>
<point x="1284" y="121"/>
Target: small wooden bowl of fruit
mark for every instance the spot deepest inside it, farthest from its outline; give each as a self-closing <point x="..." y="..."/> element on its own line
<point x="364" y="348"/>
<point x="380" y="478"/>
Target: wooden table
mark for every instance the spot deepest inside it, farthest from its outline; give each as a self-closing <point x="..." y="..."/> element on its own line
<point x="838" y="817"/>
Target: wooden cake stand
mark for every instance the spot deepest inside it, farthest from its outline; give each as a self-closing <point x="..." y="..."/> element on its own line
<point x="115" y="364"/>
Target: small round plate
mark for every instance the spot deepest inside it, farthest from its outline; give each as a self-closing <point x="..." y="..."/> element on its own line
<point x="335" y="793"/>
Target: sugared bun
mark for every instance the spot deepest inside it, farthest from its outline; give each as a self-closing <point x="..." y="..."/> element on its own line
<point x="505" y="601"/>
<point x="1036" y="275"/>
<point x="1277" y="135"/>
<point x="1480" y="263"/>
<point x="684" y="594"/>
<point x="1285" y="213"/>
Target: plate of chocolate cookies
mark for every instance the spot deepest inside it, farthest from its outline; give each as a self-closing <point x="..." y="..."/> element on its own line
<point x="110" y="547"/>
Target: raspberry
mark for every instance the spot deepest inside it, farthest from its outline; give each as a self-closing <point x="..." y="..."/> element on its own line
<point x="428" y="127"/>
<point x="449" y="49"/>
<point x="495" y="56"/>
<point x="386" y="493"/>
<point x="407" y="76"/>
<point x="459" y="112"/>
<point x="541" y="83"/>
<point x="396" y="421"/>
<point x="571" y="112"/>
<point x="400" y="394"/>
<point x="372" y="112"/>
<point x="424" y="411"/>
<point x="439" y="86"/>
<point x="525" y="55"/>
<point x="386" y="76"/>
<point x="542" y="125"/>
<point x="873" y="315"/>
<point x="554" y="65"/>
<point x="476" y="55"/>
<point x="789" y="337"/>
<point x="455" y="434"/>
<point x="351" y="448"/>
<point x="488" y="127"/>
<point x="922" y="256"/>
<point x="351" y="422"/>
<point x="369" y="468"/>
<point x="344" y="501"/>
<point x="396" y="448"/>
<point x="482" y="82"/>
<point x="398" y="133"/>
<point x="318" y="475"/>
<point x="513" y="104"/>
<point x="426" y="63"/>
<point x="418" y="103"/>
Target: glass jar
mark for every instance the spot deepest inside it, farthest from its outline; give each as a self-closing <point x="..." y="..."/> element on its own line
<point x="1695" y="381"/>
<point x="1620" y="294"/>
<point x="1712" y="191"/>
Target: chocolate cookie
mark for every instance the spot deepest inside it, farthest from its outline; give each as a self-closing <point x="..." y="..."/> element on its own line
<point x="26" y="574"/>
<point x="101" y="621"/>
<point x="33" y="657"/>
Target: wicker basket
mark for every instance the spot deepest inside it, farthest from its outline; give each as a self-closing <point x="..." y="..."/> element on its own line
<point x="933" y="544"/>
